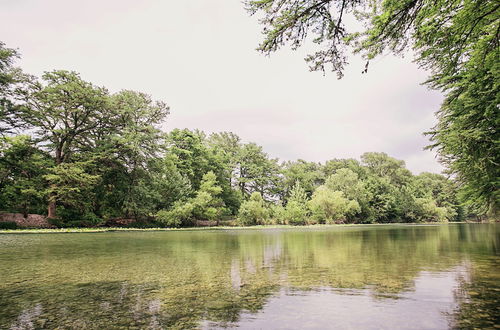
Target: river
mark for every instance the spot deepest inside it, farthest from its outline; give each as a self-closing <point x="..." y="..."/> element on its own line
<point x="330" y="277"/>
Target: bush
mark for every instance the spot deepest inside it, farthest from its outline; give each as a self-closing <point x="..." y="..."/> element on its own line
<point x="91" y="219"/>
<point x="296" y="208"/>
<point x="296" y="213"/>
<point x="143" y="224"/>
<point x="427" y="210"/>
<point x="329" y="206"/>
<point x="253" y="211"/>
<point x="277" y="213"/>
<point x="180" y="214"/>
<point x="74" y="218"/>
<point x="8" y="225"/>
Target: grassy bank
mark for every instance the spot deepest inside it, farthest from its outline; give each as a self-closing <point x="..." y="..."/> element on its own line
<point x="260" y="227"/>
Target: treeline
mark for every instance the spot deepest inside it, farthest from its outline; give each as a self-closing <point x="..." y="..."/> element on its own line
<point x="83" y="155"/>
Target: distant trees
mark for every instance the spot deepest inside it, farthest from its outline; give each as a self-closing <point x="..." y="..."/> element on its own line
<point x="296" y="211"/>
<point x="206" y="205"/>
<point x="328" y="206"/>
<point x="11" y="87"/>
<point x="84" y="156"/>
<point x="256" y="172"/>
<point x="23" y="168"/>
<point x="456" y="41"/>
<point x="253" y="211"/>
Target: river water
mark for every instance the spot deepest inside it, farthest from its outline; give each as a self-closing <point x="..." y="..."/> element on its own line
<point x="330" y="277"/>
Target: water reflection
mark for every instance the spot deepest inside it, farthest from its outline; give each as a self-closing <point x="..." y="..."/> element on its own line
<point x="347" y="277"/>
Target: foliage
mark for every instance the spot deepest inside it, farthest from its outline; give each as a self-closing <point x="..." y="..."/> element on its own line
<point x="429" y="211"/>
<point x="456" y="41"/>
<point x="91" y="156"/>
<point x="70" y="184"/>
<point x="11" y="86"/>
<point x="296" y="213"/>
<point x="348" y="182"/>
<point x="8" y="225"/>
<point x="208" y="204"/>
<point x="328" y="206"/>
<point x="180" y="214"/>
<point x="22" y="170"/>
<point x="253" y="211"/>
<point x="278" y="214"/>
<point x="256" y="172"/>
<point x="296" y="209"/>
<point x="308" y="174"/>
<point x="189" y="154"/>
<point x="69" y="217"/>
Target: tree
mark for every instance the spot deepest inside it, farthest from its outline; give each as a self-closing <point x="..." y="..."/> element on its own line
<point x="328" y="206"/>
<point x="457" y="41"/>
<point x="308" y="174"/>
<point x="427" y="210"/>
<point x="135" y="140"/>
<point x="180" y="214"/>
<point x="253" y="211"/>
<point x="348" y="182"/>
<point x="62" y="113"/>
<point x="189" y="154"/>
<point x="225" y="148"/>
<point x="7" y="57"/>
<point x="441" y="191"/>
<point x="11" y="87"/>
<point x="256" y="172"/>
<point x="332" y="166"/>
<point x="208" y="204"/>
<point x="168" y="183"/>
<point x="383" y="203"/>
<point x="381" y="165"/>
<point x="296" y="207"/>
<point x="71" y="184"/>
<point x="22" y="170"/>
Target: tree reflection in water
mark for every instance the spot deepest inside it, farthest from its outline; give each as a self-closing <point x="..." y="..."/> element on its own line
<point x="368" y="276"/>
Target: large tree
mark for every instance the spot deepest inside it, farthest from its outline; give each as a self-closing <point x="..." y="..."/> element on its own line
<point x="64" y="111"/>
<point x="11" y="86"/>
<point x="456" y="40"/>
<point x="257" y="172"/>
<point x="135" y="141"/>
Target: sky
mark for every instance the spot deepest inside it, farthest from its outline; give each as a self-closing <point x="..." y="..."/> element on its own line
<point x="199" y="57"/>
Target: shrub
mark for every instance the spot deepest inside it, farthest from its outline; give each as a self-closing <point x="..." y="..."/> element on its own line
<point x="427" y="210"/>
<point x="296" y="208"/>
<point x="329" y="206"/>
<point x="74" y="218"/>
<point x="253" y="211"/>
<point x="296" y="213"/>
<point x="277" y="213"/>
<point x="180" y="214"/>
<point x="8" y="225"/>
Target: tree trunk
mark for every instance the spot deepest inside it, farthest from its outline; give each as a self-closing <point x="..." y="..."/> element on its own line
<point x="52" y="208"/>
<point x="25" y="210"/>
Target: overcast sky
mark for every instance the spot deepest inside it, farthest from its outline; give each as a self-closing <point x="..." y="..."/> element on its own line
<point x="199" y="56"/>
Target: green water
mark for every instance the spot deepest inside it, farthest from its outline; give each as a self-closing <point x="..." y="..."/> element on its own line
<point x="363" y="277"/>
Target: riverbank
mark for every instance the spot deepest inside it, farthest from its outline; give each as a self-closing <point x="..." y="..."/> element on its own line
<point x="260" y="227"/>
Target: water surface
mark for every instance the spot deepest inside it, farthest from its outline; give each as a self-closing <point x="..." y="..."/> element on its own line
<point x="360" y="277"/>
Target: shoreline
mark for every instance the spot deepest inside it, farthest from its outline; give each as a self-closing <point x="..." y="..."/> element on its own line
<point x="215" y="228"/>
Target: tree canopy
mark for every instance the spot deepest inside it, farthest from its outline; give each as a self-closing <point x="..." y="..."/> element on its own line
<point x="83" y="156"/>
<point x="456" y="41"/>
